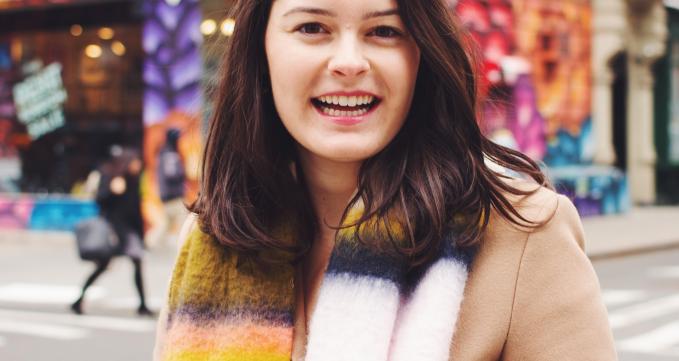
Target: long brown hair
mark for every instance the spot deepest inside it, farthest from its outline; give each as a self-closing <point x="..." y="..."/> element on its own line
<point x="433" y="171"/>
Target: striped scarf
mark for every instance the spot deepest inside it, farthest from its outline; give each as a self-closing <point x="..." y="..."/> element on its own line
<point x="227" y="307"/>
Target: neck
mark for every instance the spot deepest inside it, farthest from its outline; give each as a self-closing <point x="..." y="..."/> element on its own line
<point x="331" y="185"/>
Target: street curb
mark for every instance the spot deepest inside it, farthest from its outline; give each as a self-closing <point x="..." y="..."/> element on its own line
<point x="634" y="251"/>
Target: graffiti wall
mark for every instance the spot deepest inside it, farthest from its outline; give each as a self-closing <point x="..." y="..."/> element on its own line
<point x="537" y="85"/>
<point x="29" y="212"/>
<point x="172" y="99"/>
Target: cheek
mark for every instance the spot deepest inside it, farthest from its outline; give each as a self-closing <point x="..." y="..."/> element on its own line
<point x="281" y="81"/>
<point x="291" y="70"/>
<point x="400" y="76"/>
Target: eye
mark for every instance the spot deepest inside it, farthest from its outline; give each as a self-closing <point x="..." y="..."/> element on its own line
<point x="311" y="29"/>
<point x="385" y="32"/>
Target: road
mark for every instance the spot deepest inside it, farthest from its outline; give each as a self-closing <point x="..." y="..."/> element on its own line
<point x="40" y="277"/>
<point x="641" y="293"/>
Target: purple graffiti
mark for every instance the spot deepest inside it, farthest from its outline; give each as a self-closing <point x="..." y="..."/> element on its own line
<point x="525" y="121"/>
<point x="173" y="66"/>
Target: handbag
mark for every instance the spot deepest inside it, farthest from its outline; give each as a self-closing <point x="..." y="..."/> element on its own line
<point x="96" y="239"/>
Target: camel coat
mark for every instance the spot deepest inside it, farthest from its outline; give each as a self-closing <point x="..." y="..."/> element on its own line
<point x="532" y="294"/>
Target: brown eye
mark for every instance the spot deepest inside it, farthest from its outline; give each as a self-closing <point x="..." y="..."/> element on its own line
<point x="311" y="28"/>
<point x="385" y="32"/>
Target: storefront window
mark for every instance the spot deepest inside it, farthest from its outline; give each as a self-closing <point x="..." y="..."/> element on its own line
<point x="67" y="93"/>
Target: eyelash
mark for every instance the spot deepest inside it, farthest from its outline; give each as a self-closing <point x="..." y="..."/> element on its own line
<point x="393" y="32"/>
<point x="303" y="26"/>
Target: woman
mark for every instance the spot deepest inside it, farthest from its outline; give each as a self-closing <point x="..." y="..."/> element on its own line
<point x="347" y="211"/>
<point x="118" y="200"/>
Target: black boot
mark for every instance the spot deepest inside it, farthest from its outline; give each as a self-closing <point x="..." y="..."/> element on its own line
<point x="144" y="311"/>
<point x="76" y="307"/>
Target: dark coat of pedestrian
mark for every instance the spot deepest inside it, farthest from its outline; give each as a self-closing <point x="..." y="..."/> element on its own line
<point x="119" y="204"/>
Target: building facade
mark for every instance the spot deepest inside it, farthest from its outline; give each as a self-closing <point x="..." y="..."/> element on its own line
<point x="629" y="39"/>
<point x="572" y="83"/>
<point x="80" y="76"/>
<point x="588" y="87"/>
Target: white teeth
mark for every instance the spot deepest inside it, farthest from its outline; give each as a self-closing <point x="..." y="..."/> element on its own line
<point x="343" y="113"/>
<point x="366" y="99"/>
<point x="345" y="101"/>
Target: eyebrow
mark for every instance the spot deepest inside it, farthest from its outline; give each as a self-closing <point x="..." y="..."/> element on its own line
<point x="309" y="10"/>
<point x="377" y="14"/>
<point x="320" y="11"/>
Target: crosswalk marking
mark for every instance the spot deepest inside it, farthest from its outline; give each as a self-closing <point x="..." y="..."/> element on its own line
<point x="28" y="293"/>
<point x="88" y="321"/>
<point x="664" y="272"/>
<point x="658" y="341"/>
<point x="41" y="329"/>
<point x="630" y="310"/>
<point x="46" y="294"/>
<point x="128" y="303"/>
<point x="643" y="311"/>
<point x="614" y="298"/>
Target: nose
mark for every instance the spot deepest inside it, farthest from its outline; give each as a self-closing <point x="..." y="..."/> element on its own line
<point x="348" y="60"/>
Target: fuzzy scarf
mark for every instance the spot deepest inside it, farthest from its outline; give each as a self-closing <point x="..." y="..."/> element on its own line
<point x="226" y="307"/>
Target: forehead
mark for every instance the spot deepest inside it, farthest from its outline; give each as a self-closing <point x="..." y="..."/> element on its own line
<point x="334" y="7"/>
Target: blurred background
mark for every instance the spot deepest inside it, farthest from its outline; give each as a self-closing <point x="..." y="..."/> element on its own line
<point x="589" y="87"/>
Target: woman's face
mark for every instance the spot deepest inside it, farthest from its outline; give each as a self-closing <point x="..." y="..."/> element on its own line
<point x="342" y="74"/>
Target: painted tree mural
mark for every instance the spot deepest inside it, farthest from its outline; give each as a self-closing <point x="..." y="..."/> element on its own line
<point x="173" y="65"/>
<point x="172" y="99"/>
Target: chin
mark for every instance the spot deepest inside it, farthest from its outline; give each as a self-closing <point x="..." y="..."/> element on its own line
<point x="346" y="154"/>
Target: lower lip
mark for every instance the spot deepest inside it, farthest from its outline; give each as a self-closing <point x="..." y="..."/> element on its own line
<point x="347" y="121"/>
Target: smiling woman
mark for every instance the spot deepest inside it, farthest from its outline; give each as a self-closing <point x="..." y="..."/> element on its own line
<point x="347" y="207"/>
<point x="333" y="60"/>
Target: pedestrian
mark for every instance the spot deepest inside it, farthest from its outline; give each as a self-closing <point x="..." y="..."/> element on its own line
<point x="348" y="208"/>
<point x="119" y="204"/>
<point x="171" y="177"/>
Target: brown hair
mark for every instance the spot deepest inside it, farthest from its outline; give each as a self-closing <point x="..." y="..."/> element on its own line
<point x="433" y="170"/>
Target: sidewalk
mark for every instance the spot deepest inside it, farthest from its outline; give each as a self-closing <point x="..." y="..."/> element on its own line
<point x="641" y="229"/>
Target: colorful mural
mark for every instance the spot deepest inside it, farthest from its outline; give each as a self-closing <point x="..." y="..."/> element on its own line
<point x="172" y="99"/>
<point x="537" y="85"/>
<point x="27" y="212"/>
<point x="7" y="109"/>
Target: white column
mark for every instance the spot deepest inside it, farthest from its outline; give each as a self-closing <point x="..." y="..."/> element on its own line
<point x="641" y="157"/>
<point x="648" y="32"/>
<point x="608" y="31"/>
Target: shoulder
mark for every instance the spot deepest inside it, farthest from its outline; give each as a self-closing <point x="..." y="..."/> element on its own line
<point x="555" y="287"/>
<point x="523" y="277"/>
<point x="553" y="216"/>
<point x="189" y="226"/>
<point x="491" y="287"/>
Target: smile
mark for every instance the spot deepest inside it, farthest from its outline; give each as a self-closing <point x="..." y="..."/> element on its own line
<point x="336" y="105"/>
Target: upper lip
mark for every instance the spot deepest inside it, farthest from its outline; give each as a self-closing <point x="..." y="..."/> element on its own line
<point x="357" y="93"/>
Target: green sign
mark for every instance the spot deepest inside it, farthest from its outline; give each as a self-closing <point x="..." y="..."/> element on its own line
<point x="39" y="100"/>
